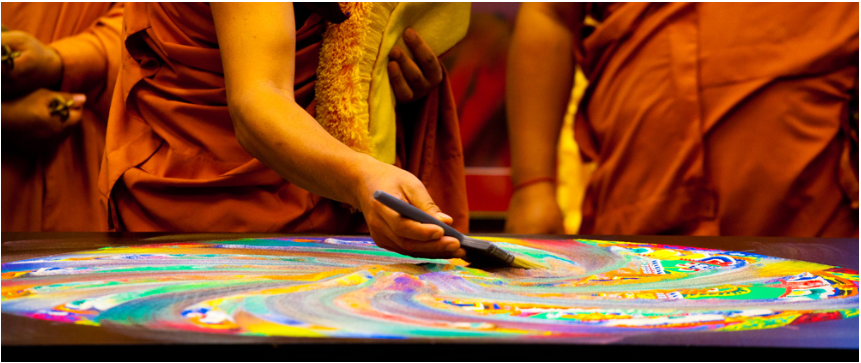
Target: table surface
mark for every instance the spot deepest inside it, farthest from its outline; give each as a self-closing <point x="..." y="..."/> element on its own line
<point x="839" y="334"/>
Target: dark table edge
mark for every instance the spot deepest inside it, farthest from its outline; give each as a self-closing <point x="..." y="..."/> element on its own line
<point x="448" y="351"/>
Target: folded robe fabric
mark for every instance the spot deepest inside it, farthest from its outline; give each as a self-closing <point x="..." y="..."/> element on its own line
<point x="736" y="128"/>
<point x="355" y="101"/>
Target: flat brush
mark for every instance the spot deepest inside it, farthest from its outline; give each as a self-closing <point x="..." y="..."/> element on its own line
<point x="478" y="252"/>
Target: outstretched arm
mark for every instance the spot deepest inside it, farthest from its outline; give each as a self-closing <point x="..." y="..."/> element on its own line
<point x="257" y="43"/>
<point x="540" y="77"/>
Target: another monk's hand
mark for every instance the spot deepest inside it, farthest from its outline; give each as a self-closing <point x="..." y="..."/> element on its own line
<point x="533" y="210"/>
<point x="33" y="66"/>
<point x="395" y="233"/>
<point x="410" y="81"/>
<point x="30" y="122"/>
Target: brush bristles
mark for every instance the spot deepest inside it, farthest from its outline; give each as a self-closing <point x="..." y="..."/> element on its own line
<point x="524" y="263"/>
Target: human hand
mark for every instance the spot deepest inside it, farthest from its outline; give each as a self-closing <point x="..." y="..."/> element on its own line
<point x="410" y="81"/>
<point x="533" y="210"/>
<point x="32" y="122"/>
<point x="396" y="233"/>
<point x="37" y="65"/>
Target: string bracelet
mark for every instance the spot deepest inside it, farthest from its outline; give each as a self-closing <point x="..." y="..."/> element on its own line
<point x="529" y="182"/>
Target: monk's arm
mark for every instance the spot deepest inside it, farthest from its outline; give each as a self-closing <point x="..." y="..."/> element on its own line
<point x="257" y="43"/>
<point x="259" y="70"/>
<point x="539" y="80"/>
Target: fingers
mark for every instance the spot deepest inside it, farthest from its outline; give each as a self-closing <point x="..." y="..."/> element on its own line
<point x="68" y="108"/>
<point x="418" y="196"/>
<point x="79" y="99"/>
<point x="14" y="39"/>
<point x="409" y="237"/>
<point x="14" y="52"/>
<point x="75" y="117"/>
<point x="76" y="114"/>
<point x="8" y="60"/>
<point x="29" y="64"/>
<point x="410" y="71"/>
<point x="403" y="92"/>
<point x="409" y="80"/>
<point x="421" y="249"/>
<point x="385" y="237"/>
<point x="445" y="246"/>
<point x="76" y="110"/>
<point x="407" y="228"/>
<point x="425" y="57"/>
<point x="445" y="218"/>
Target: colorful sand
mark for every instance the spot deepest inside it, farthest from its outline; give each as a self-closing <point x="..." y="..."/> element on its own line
<point x="327" y="287"/>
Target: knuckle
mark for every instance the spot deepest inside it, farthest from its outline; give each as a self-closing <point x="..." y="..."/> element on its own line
<point x="428" y="235"/>
<point x="416" y="78"/>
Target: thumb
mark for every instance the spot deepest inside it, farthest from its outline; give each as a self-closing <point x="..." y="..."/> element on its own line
<point x="15" y="39"/>
<point x="79" y="99"/>
<point x="419" y="197"/>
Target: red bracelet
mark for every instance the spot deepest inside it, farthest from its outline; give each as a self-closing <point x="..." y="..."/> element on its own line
<point x="529" y="182"/>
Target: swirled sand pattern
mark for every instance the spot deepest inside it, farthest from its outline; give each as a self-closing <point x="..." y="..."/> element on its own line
<point x="348" y="287"/>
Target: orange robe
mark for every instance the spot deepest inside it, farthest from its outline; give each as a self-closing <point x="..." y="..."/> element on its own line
<point x="172" y="160"/>
<point x="57" y="190"/>
<point x="720" y="119"/>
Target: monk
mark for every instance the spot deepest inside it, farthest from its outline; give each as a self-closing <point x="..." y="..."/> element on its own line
<point x="212" y="129"/>
<point x="704" y="119"/>
<point x="51" y="160"/>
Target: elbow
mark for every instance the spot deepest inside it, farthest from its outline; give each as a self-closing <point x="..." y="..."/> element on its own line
<point x="239" y="114"/>
<point x="256" y="116"/>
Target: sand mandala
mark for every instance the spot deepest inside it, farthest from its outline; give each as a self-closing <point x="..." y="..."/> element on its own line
<point x="348" y="287"/>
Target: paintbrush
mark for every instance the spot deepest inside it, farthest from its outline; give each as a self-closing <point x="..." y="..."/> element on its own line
<point x="478" y="252"/>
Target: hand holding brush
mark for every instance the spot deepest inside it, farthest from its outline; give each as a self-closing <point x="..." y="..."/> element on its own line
<point x="479" y="252"/>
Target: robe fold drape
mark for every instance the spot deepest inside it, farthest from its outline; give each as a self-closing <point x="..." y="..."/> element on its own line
<point x="720" y="119"/>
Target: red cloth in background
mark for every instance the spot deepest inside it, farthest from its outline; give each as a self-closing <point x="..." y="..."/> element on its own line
<point x="172" y="160"/>
<point x="720" y="119"/>
<point x="57" y="190"/>
<point x="477" y="67"/>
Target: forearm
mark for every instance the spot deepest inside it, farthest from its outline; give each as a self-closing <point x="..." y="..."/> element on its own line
<point x="91" y="57"/>
<point x="282" y="135"/>
<point x="539" y="80"/>
<point x="257" y="43"/>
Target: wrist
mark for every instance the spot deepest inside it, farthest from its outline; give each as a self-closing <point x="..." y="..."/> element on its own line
<point x="540" y="181"/>
<point x="535" y="193"/>
<point x="55" y="67"/>
<point x="359" y="169"/>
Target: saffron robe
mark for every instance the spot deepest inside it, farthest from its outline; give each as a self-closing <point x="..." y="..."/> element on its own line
<point x="720" y="119"/>
<point x="57" y="189"/>
<point x="172" y="160"/>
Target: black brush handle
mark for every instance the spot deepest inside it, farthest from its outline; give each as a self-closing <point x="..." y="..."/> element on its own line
<point x="407" y="210"/>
